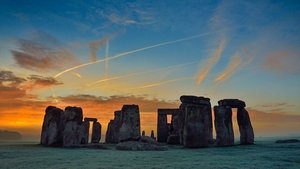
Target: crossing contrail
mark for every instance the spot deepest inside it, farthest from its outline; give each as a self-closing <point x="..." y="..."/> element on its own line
<point x="140" y="73"/>
<point x="137" y="50"/>
<point x="165" y="82"/>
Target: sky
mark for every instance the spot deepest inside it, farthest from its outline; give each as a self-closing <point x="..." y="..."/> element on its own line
<point x="100" y="55"/>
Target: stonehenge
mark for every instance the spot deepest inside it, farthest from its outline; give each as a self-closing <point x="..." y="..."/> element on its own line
<point x="67" y="128"/>
<point x="192" y="124"/>
<point x="125" y="126"/>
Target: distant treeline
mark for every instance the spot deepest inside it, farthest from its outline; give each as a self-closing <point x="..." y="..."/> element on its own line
<point x="9" y="135"/>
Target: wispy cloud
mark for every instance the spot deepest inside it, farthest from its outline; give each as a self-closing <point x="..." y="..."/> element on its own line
<point x="233" y="65"/>
<point x="283" y="61"/>
<point x="210" y="62"/>
<point x="42" y="52"/>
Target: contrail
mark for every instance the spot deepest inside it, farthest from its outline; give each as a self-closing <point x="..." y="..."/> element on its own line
<point x="235" y="62"/>
<point x="106" y="61"/>
<point x="138" y="50"/>
<point x="165" y="82"/>
<point x="139" y="73"/>
<point x="210" y="63"/>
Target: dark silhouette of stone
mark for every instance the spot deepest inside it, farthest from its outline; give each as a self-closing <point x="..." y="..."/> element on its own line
<point x="71" y="134"/>
<point x="96" y="134"/>
<point x="204" y="105"/>
<point x="52" y="127"/>
<point x="233" y="103"/>
<point x="139" y="146"/>
<point x="90" y="119"/>
<point x="164" y="129"/>
<point x="84" y="132"/>
<point x="245" y="127"/>
<point x="152" y="134"/>
<point x="288" y="141"/>
<point x="173" y="139"/>
<point x="112" y="133"/>
<point x="194" y="100"/>
<point x="147" y="139"/>
<point x="223" y="126"/>
<point x="143" y="133"/>
<point x="196" y="132"/>
<point x="130" y="128"/>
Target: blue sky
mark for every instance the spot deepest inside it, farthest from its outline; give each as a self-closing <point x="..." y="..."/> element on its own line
<point x="261" y="46"/>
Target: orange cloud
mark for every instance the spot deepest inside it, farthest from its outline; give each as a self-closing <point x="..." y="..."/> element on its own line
<point x="283" y="61"/>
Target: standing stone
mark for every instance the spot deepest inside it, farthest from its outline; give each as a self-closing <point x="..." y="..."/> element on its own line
<point x="110" y="137"/>
<point x="52" y="127"/>
<point x="223" y="126"/>
<point x="84" y="132"/>
<point x="143" y="133"/>
<point x="130" y="128"/>
<point x="162" y="127"/>
<point x="245" y="127"/>
<point x="113" y="128"/>
<point x="152" y="134"/>
<point x="196" y="127"/>
<point x="205" y="110"/>
<point x="96" y="134"/>
<point x="71" y="134"/>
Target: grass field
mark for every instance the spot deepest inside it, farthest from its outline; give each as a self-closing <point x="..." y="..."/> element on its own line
<point x="264" y="154"/>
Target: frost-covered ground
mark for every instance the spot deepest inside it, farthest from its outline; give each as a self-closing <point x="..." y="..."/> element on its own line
<point x="265" y="154"/>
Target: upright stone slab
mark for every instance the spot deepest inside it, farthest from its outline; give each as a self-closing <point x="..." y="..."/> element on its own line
<point x="152" y="135"/>
<point x="196" y="127"/>
<point x="204" y="109"/>
<point x="130" y="128"/>
<point x="52" y="127"/>
<point x="113" y="128"/>
<point x="162" y="127"/>
<point x="223" y="126"/>
<point x="245" y="127"/>
<point x="84" y="132"/>
<point x="71" y="134"/>
<point x="96" y="134"/>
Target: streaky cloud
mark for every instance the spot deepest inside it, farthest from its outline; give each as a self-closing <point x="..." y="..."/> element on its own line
<point x="164" y="82"/>
<point x="138" y="50"/>
<point x="210" y="62"/>
<point x="233" y="65"/>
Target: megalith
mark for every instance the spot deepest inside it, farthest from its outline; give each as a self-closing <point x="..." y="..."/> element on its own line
<point x="96" y="132"/>
<point x="130" y="128"/>
<point x="245" y="127"/>
<point x="223" y="126"/>
<point x="71" y="133"/>
<point x="52" y="127"/>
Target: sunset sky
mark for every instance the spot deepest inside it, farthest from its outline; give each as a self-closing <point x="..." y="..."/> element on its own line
<point x="100" y="55"/>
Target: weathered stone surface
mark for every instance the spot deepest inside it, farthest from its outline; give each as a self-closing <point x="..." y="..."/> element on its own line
<point x="162" y="127"/>
<point x="96" y="134"/>
<point x="181" y="118"/>
<point x="73" y="114"/>
<point x="130" y="128"/>
<point x="233" y="103"/>
<point x="52" y="127"/>
<point x="194" y="99"/>
<point x="197" y="126"/>
<point x="147" y="139"/>
<point x="223" y="126"/>
<point x="245" y="127"/>
<point x="139" y="146"/>
<point x="173" y="139"/>
<point x="84" y="132"/>
<point x="71" y="134"/>
<point x="110" y="137"/>
<point x="90" y="119"/>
